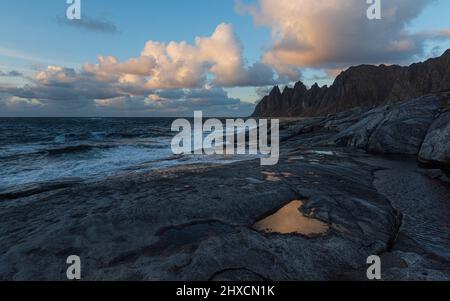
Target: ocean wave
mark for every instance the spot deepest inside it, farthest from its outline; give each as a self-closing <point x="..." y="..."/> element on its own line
<point x="44" y="150"/>
<point x="21" y="150"/>
<point x="70" y="149"/>
<point x="98" y="135"/>
<point x="60" y="139"/>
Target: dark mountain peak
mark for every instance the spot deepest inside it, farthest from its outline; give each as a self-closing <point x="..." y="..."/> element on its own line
<point x="360" y="86"/>
<point x="360" y="69"/>
<point x="287" y="89"/>
<point x="287" y="94"/>
<point x="275" y="91"/>
<point x="299" y="86"/>
<point x="315" y="86"/>
<point x="299" y="91"/>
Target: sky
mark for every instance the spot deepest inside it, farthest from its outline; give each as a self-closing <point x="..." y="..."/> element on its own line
<point x="171" y="57"/>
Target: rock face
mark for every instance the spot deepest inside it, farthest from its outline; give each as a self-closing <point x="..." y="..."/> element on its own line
<point x="397" y="129"/>
<point x="418" y="127"/>
<point x="393" y="129"/>
<point x="361" y="86"/>
<point x="436" y="147"/>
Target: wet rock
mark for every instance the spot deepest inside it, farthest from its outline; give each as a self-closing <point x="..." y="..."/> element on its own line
<point x="421" y="246"/>
<point x="435" y="151"/>
<point x="32" y="189"/>
<point x="138" y="227"/>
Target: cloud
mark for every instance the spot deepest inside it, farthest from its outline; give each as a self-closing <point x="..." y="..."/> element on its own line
<point x="90" y="24"/>
<point x="177" y="77"/>
<point x="11" y="106"/>
<point x="12" y="73"/>
<point x="215" y="60"/>
<point x="169" y="79"/>
<point x="59" y="91"/>
<point x="21" y="55"/>
<point x="175" y="103"/>
<point x="63" y="85"/>
<point x="263" y="91"/>
<point x="335" y="33"/>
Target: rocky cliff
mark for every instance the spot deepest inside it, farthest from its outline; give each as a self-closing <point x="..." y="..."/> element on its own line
<point x="361" y="86"/>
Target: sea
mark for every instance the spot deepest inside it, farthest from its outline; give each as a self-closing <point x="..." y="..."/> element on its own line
<point x="42" y="150"/>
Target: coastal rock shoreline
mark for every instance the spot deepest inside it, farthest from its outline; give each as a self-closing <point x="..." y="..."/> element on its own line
<point x="195" y="222"/>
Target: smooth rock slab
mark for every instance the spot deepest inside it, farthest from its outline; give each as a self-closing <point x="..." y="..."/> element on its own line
<point x="195" y="223"/>
<point x="435" y="149"/>
<point x="396" y="129"/>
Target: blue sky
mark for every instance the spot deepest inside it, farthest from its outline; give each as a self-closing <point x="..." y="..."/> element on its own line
<point x="35" y="35"/>
<point x="31" y="27"/>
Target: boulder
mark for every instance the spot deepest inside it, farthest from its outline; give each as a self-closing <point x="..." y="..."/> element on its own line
<point x="404" y="127"/>
<point x="435" y="151"/>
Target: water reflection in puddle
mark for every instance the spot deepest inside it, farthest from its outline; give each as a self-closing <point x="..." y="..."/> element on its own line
<point x="289" y="220"/>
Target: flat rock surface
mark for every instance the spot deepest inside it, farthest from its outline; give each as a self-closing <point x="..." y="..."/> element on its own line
<point x="421" y="249"/>
<point x="195" y="223"/>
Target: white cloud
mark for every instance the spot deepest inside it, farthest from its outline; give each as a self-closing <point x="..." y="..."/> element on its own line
<point x="337" y="33"/>
<point x="12" y="73"/>
<point x="215" y="60"/>
<point x="175" y="78"/>
<point x="166" y="79"/>
<point x="182" y="102"/>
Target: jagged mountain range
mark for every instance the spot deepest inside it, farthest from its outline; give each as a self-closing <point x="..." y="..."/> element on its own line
<point x="360" y="86"/>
